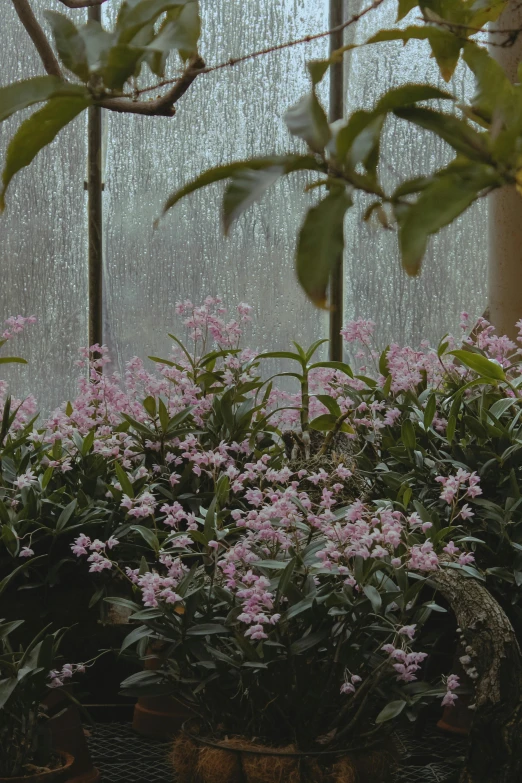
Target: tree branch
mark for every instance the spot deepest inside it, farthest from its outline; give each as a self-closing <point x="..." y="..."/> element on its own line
<point x="81" y="3"/>
<point x="278" y="47"/>
<point x="495" y="741"/>
<point x="38" y="37"/>
<point x="162" y="106"/>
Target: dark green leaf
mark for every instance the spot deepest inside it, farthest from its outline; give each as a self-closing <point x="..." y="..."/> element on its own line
<point x="36" y="132"/>
<point x="69" y="44"/>
<point x="480" y="364"/>
<point x="321" y="244"/>
<point x="245" y="188"/>
<point x="392" y="709"/>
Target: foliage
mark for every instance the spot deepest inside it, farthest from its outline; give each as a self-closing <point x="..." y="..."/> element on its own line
<point x="26" y="675"/>
<point x="102" y="63"/>
<point x="345" y="156"/>
<point x="268" y="531"/>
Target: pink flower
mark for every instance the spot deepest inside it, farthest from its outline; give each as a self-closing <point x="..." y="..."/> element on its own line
<point x="449" y="699"/>
<point x="407" y="630"/>
<point x="26" y="552"/>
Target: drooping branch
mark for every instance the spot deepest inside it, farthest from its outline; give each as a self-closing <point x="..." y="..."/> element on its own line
<point x="495" y="742"/>
<point x="38" y="37"/>
<point x="279" y="47"/>
<point x="81" y="3"/>
<point x="162" y="106"/>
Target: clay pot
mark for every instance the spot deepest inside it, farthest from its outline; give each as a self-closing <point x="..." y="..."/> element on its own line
<point x="458" y="719"/>
<point x="51" y="776"/>
<point x="158" y="716"/>
<point x="67" y="735"/>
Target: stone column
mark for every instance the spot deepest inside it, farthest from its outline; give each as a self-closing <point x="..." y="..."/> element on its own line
<point x="505" y="206"/>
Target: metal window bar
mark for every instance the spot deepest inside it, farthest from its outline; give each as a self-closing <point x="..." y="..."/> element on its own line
<point x="95" y="198"/>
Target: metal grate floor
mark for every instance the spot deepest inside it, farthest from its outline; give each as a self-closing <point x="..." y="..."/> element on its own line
<point x="122" y="756"/>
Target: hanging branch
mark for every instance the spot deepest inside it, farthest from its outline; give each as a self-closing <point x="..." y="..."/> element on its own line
<point x="38" y="37"/>
<point x="81" y="3"/>
<point x="162" y="106"/>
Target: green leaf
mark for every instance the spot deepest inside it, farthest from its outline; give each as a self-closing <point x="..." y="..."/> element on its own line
<point x="330" y="403"/>
<point x="148" y="535"/>
<point x="126" y="484"/>
<point x="392" y="709"/>
<point x="317" y="69"/>
<point x="321" y="243"/>
<point x="21" y="95"/>
<point x="405" y="6"/>
<point x="408" y="434"/>
<point x="133" y="17"/>
<point x="312" y="640"/>
<point x="429" y="410"/>
<point x="66" y="514"/>
<point x="123" y="61"/>
<point x="245" y="188"/>
<point x="373" y="596"/>
<point x="308" y="121"/>
<point x="135" y="636"/>
<point x="7" y="579"/>
<point x="341" y="366"/>
<point x="456" y="132"/>
<point x="206" y="629"/>
<point x="409" y="94"/>
<point x="36" y="132"/>
<point x="220" y="173"/>
<point x="480" y="364"/>
<point x="69" y="44"/>
<point x="98" y="43"/>
<point x="444" y="45"/>
<point x="180" y="30"/>
<point x="12" y="360"/>
<point x="448" y="195"/>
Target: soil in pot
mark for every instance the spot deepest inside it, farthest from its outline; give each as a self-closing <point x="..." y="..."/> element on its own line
<point x="58" y="772"/>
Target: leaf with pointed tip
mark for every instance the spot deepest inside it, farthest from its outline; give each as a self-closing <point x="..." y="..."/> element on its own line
<point x="290" y="163"/>
<point x="320" y="244"/>
<point x="307" y="120"/>
<point x="69" y="44"/>
<point x="480" y="364"/>
<point x="444" y="45"/>
<point x="133" y="17"/>
<point x="245" y="188"/>
<point x="317" y="69"/>
<point x="448" y="195"/>
<point x="405" y="6"/>
<point x="39" y="130"/>
<point x="21" y="95"/>
<point x="456" y="132"/>
<point x="180" y="30"/>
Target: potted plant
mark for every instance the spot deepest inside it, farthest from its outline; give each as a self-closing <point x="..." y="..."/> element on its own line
<point x="27" y="674"/>
<point x="294" y="640"/>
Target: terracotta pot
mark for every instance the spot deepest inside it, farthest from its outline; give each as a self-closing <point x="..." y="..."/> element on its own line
<point x="197" y="759"/>
<point x="158" y="716"/>
<point x="458" y="719"/>
<point x="52" y="776"/>
<point x="67" y="734"/>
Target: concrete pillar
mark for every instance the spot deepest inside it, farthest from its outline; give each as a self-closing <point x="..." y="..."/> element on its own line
<point x="505" y="207"/>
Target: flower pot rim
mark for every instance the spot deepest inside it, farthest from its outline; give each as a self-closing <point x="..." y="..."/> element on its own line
<point x="273" y="751"/>
<point x="66" y="758"/>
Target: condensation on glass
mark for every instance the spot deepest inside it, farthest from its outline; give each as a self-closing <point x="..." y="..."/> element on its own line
<point x="43" y="258"/>
<point x="227" y="115"/>
<point x="454" y="272"/>
<point x="230" y="114"/>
